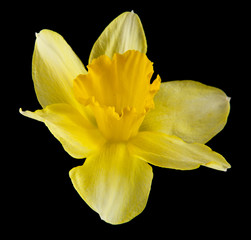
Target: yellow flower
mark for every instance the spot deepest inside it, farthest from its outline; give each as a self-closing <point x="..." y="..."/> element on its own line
<point x="119" y="120"/>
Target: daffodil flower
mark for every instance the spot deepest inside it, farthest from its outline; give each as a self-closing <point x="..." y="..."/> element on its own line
<point x="119" y="119"/>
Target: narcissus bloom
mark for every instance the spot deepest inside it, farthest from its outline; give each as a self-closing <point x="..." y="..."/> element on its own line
<point x="119" y="119"/>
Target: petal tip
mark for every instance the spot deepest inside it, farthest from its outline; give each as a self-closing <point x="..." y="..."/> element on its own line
<point x="224" y="166"/>
<point x="228" y="166"/>
<point x="21" y="111"/>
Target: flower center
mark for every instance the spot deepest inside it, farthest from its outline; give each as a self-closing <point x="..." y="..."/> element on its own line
<point x="119" y="92"/>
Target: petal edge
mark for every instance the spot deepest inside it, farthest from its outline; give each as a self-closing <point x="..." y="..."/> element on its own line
<point x="124" y="33"/>
<point x="113" y="183"/>
<point x="76" y="134"/>
<point x="188" y="109"/>
<point x="172" y="152"/>
<point x="54" y="67"/>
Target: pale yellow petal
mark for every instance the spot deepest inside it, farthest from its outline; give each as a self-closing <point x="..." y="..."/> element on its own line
<point x="113" y="183"/>
<point x="190" y="110"/>
<point x="77" y="135"/>
<point x="54" y="67"/>
<point x="172" y="152"/>
<point x="124" y="33"/>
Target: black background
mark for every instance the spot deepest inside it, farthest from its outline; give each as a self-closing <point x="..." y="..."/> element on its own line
<point x="185" y="41"/>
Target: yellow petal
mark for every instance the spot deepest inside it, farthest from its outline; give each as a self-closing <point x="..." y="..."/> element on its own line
<point x="188" y="109"/>
<point x="113" y="183"/>
<point x="119" y="91"/>
<point x="54" y="67"/>
<point x="172" y="152"/>
<point x="77" y="135"/>
<point x="124" y="33"/>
